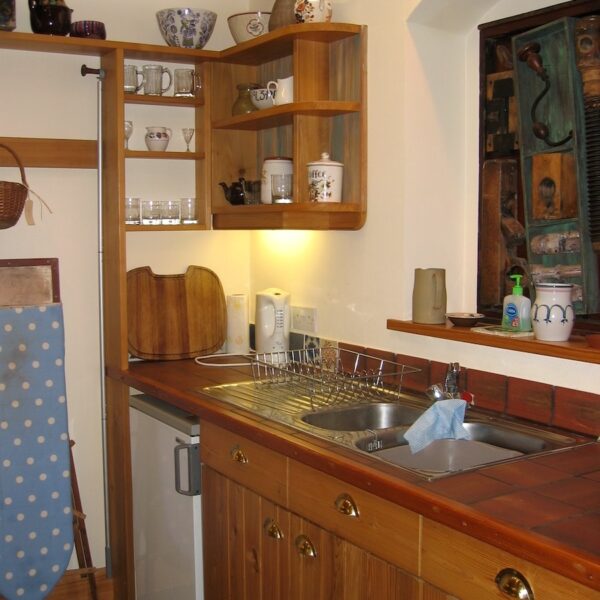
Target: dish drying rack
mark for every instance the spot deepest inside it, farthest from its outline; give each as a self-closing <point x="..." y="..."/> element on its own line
<point x="331" y="376"/>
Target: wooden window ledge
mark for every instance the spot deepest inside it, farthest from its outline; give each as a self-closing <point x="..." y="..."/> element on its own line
<point x="575" y="349"/>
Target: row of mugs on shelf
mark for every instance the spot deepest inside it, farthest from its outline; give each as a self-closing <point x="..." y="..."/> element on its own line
<point x="150" y="80"/>
<point x="157" y="138"/>
<point x="160" y="212"/>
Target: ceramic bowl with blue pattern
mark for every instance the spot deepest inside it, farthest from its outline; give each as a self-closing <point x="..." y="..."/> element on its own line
<point x="186" y="27"/>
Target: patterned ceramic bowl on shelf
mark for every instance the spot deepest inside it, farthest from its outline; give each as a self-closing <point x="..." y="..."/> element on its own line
<point x="248" y="25"/>
<point x="88" y="29"/>
<point x="186" y="27"/>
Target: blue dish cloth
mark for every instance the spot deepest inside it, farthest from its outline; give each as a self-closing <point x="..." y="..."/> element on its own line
<point x="443" y="420"/>
<point x="36" y="517"/>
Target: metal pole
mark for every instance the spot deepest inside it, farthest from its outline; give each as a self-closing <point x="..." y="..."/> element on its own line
<point x="107" y="552"/>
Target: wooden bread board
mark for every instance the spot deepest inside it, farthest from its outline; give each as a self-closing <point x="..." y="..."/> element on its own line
<point x="175" y="316"/>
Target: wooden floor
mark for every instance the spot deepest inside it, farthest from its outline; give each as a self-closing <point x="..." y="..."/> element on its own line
<point x="75" y="587"/>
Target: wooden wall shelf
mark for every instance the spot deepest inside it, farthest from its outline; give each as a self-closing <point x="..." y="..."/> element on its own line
<point x="575" y="349"/>
<point x="50" y="153"/>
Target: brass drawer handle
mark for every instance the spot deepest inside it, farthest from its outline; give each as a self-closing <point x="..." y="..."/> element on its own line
<point x="514" y="584"/>
<point x="273" y="530"/>
<point x="305" y="547"/>
<point x="238" y="455"/>
<point x="346" y="505"/>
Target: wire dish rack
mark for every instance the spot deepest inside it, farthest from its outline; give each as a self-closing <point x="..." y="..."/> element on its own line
<point x="331" y="376"/>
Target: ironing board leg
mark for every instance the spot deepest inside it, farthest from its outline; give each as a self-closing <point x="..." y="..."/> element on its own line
<point x="82" y="546"/>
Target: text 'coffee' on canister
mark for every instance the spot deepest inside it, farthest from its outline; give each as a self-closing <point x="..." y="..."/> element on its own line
<point x="325" y="178"/>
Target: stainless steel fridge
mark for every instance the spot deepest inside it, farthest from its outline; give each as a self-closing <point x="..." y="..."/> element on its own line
<point x="167" y="526"/>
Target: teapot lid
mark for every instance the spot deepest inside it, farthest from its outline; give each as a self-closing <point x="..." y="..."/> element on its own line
<point x="325" y="161"/>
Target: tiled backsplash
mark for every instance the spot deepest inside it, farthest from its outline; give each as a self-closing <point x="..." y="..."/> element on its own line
<point x="539" y="402"/>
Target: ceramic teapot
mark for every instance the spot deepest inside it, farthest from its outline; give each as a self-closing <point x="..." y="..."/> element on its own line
<point x="51" y="18"/>
<point x="234" y="193"/>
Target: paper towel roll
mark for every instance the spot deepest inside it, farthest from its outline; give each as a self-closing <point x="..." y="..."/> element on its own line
<point x="238" y="327"/>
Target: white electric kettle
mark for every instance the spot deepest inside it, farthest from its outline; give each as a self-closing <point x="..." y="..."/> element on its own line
<point x="272" y="321"/>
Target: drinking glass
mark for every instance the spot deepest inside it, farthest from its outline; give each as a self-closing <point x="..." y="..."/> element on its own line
<point x="132" y="211"/>
<point x="171" y="212"/>
<point x="281" y="188"/>
<point x="188" y="134"/>
<point x="128" y="132"/>
<point x="151" y="212"/>
<point x="188" y="211"/>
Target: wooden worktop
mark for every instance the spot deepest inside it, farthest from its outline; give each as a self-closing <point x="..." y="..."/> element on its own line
<point x="545" y="509"/>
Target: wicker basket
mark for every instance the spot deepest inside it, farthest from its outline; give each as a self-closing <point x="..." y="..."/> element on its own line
<point x="12" y="196"/>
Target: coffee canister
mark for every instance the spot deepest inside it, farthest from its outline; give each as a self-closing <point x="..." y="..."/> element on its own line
<point x="325" y="180"/>
<point x="273" y="165"/>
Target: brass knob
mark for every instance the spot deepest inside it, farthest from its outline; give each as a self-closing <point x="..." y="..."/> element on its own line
<point x="346" y="505"/>
<point x="305" y="547"/>
<point x="238" y="455"/>
<point x="273" y="530"/>
<point x="514" y="584"/>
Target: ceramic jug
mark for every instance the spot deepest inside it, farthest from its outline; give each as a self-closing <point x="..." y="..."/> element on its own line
<point x="429" y="296"/>
<point x="157" y="138"/>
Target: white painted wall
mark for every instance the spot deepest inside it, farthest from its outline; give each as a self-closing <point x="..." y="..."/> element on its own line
<point x="422" y="198"/>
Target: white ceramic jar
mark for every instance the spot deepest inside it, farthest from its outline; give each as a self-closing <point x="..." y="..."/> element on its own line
<point x="325" y="178"/>
<point x="313" y="11"/>
<point x="552" y="313"/>
<point x="273" y="165"/>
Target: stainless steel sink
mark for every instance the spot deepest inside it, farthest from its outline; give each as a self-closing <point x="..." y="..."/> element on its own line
<point x="364" y="417"/>
<point x="377" y="428"/>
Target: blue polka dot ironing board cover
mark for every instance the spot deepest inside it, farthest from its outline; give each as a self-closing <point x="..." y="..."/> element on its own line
<point x="36" y="527"/>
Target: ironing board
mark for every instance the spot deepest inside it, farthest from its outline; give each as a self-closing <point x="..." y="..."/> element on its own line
<point x="36" y="532"/>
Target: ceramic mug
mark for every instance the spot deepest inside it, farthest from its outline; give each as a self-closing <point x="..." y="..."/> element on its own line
<point x="282" y="90"/>
<point x="153" y="79"/>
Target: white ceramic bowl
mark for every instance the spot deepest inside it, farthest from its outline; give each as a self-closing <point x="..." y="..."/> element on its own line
<point x="248" y="25"/>
<point x="261" y="98"/>
<point x="186" y="27"/>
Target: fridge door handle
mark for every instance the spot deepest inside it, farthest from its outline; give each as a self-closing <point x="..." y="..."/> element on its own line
<point x="193" y="470"/>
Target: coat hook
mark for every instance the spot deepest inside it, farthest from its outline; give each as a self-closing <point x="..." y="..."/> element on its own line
<point x="85" y="70"/>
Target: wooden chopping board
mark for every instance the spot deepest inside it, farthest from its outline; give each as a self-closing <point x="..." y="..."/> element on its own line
<point x="175" y="316"/>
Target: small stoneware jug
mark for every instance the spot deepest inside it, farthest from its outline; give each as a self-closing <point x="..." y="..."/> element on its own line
<point x="158" y="138"/>
<point x="429" y="296"/>
<point x="552" y="313"/>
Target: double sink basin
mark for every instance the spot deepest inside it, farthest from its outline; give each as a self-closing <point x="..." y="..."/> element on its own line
<point x="377" y="428"/>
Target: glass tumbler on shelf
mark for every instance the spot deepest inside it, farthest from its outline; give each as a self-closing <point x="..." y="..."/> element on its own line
<point x="132" y="211"/>
<point x="151" y="212"/>
<point x="188" y="211"/>
<point x="281" y="188"/>
<point x="171" y="212"/>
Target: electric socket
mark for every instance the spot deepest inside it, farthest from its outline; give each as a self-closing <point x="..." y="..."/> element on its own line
<point x="304" y="319"/>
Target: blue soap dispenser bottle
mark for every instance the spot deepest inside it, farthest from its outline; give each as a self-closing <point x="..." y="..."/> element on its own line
<point x="516" y="310"/>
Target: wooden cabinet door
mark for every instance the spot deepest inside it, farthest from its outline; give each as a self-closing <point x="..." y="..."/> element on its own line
<point x="242" y="561"/>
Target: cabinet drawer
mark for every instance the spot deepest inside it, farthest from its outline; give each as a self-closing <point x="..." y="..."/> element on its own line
<point x="248" y="463"/>
<point x="467" y="568"/>
<point x="380" y="527"/>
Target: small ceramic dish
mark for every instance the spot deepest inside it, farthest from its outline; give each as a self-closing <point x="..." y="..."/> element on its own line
<point x="463" y="319"/>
